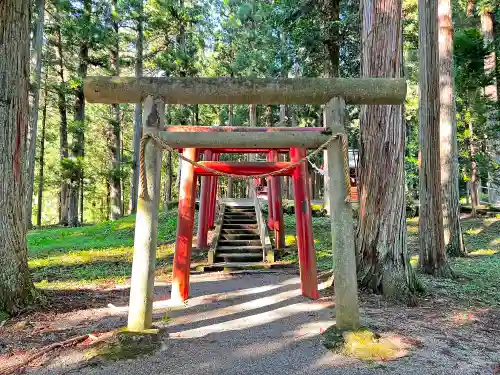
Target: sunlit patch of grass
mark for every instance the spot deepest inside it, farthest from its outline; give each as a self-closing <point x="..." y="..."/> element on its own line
<point x="91" y="283"/>
<point x="412" y="229"/>
<point x="413" y="221"/>
<point x="81" y="257"/>
<point x="483" y="252"/>
<point x="414" y="260"/>
<point x="62" y="258"/>
<point x="365" y="345"/>
<point x="316" y="207"/>
<point x="473" y="231"/>
<point x="125" y="225"/>
<point x="290" y="240"/>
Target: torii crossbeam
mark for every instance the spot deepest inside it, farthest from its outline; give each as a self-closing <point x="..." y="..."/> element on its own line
<point x="155" y="92"/>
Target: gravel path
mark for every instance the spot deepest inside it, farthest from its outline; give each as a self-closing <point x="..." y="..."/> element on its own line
<point x="259" y="324"/>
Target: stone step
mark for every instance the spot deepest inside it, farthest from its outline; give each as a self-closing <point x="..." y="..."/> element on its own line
<point x="238" y="256"/>
<point x="239" y="224"/>
<point x="240" y="218"/>
<point x="233" y="249"/>
<point x="239" y="236"/>
<point x="240" y="231"/>
<point x="239" y="210"/>
<point x="237" y="248"/>
<point x="239" y="215"/>
<point x="227" y="266"/>
<point x="251" y="226"/>
<point x="224" y="242"/>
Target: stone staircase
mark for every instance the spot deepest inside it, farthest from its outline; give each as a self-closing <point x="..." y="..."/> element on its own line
<point x="239" y="239"/>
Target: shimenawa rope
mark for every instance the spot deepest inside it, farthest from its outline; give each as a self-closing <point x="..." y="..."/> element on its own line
<point x="163" y="144"/>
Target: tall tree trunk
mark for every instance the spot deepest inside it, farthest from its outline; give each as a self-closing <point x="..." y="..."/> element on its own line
<point x="134" y="186"/>
<point x="183" y="120"/>
<point x="41" y="176"/>
<point x="78" y="146"/>
<point x="167" y="196"/>
<point x="453" y="240"/>
<point x="32" y="133"/>
<point x="63" y="129"/>
<point x="473" y="178"/>
<point x="167" y="189"/>
<point x="15" y="283"/>
<point x="331" y="14"/>
<point x="432" y="252"/>
<point x="383" y="261"/>
<point x="490" y="91"/>
<point x="114" y="136"/>
<point x="81" y="197"/>
<point x="470" y="8"/>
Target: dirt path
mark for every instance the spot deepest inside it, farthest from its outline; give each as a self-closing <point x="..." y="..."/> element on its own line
<point x="259" y="324"/>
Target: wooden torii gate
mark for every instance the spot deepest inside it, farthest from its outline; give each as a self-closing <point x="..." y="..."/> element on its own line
<point x="154" y="93"/>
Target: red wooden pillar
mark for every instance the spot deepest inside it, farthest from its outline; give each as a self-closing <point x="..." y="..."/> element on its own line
<point x="279" y="227"/>
<point x="185" y="224"/>
<point x="205" y="201"/>
<point x="213" y="195"/>
<point x="303" y="218"/>
<point x="270" y="197"/>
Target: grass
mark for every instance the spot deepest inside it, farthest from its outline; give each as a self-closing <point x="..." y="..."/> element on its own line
<point x="101" y="255"/>
<point x="322" y="240"/>
<point x="365" y="345"/>
<point x="478" y="275"/>
<point x="478" y="278"/>
<point x="95" y="255"/>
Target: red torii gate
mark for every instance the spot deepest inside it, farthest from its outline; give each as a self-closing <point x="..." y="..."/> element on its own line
<point x="302" y="199"/>
<point x="155" y="92"/>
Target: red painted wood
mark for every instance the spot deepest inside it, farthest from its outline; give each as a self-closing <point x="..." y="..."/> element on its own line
<point x="185" y="224"/>
<point x="236" y="129"/>
<point x="243" y="168"/>
<point x="303" y="216"/>
<point x="246" y="150"/>
<point x="270" y="196"/>
<point x="241" y="150"/>
<point x="213" y="195"/>
<point x="205" y="200"/>
<point x="279" y="228"/>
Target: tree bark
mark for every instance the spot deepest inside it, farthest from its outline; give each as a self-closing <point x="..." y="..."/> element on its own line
<point x="331" y="13"/>
<point x="41" y="163"/>
<point x="491" y="92"/>
<point x="15" y="283"/>
<point x="78" y="146"/>
<point x="114" y="136"/>
<point x="63" y="127"/>
<point x="134" y="186"/>
<point x="167" y="189"/>
<point x="32" y="134"/>
<point x="431" y="235"/>
<point x="473" y="179"/>
<point x="453" y="239"/>
<point x="383" y="261"/>
<point x="470" y="8"/>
